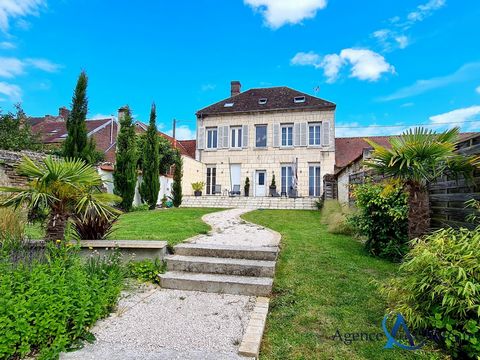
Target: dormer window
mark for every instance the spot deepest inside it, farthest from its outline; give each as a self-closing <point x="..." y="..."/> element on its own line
<point x="299" y="99"/>
<point x="262" y="101"/>
<point x="228" y="104"/>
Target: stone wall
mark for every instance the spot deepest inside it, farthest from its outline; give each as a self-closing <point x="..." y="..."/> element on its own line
<point x="8" y="162"/>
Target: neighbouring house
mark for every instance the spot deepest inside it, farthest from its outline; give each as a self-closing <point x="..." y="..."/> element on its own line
<point x="266" y="132"/>
<point x="53" y="131"/>
<point x="352" y="151"/>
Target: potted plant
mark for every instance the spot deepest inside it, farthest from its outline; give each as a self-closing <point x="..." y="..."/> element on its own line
<point x="197" y="188"/>
<point x="273" y="187"/>
<point x="247" y="186"/>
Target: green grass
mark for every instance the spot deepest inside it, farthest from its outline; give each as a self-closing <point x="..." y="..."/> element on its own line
<point x="324" y="283"/>
<point x="172" y="225"/>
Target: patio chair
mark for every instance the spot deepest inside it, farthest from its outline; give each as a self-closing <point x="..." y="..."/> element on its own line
<point x="235" y="190"/>
<point x="217" y="189"/>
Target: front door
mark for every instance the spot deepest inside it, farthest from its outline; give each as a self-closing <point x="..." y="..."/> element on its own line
<point x="260" y="187"/>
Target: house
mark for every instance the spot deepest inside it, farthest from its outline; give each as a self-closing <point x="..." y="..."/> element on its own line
<point x="53" y="131"/>
<point x="266" y="132"/>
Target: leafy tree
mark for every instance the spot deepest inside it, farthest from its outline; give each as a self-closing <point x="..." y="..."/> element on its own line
<point x="417" y="158"/>
<point x="77" y="144"/>
<point x="150" y="185"/>
<point x="15" y="132"/>
<point x="65" y="187"/>
<point x="125" y="174"/>
<point x="168" y="155"/>
<point x="177" y="181"/>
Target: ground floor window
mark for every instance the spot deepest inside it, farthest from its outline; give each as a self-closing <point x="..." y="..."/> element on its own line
<point x="211" y="179"/>
<point x="314" y="180"/>
<point x="287" y="180"/>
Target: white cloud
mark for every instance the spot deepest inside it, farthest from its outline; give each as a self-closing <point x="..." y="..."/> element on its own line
<point x="11" y="67"/>
<point x="355" y="129"/>
<point x="13" y="92"/>
<point x="402" y="41"/>
<point x="425" y="10"/>
<point x="10" y="9"/>
<point x="208" y="87"/>
<point x="477" y="90"/>
<point x="458" y="117"/>
<point x="303" y="59"/>
<point x="183" y="132"/>
<point x="280" y="12"/>
<point x="465" y="73"/>
<point x="364" y="64"/>
<point x="7" y="45"/>
<point x="43" y="64"/>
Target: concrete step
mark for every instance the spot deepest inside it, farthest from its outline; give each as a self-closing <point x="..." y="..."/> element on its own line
<point x="215" y="265"/>
<point x="215" y="283"/>
<point x="268" y="253"/>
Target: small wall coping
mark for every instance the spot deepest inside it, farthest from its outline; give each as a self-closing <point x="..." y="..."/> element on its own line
<point x="125" y="244"/>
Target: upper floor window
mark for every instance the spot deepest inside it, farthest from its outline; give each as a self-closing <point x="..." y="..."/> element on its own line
<point x="287" y="135"/>
<point x="212" y="138"/>
<point x="261" y="136"/>
<point x="236" y="137"/>
<point x="314" y="134"/>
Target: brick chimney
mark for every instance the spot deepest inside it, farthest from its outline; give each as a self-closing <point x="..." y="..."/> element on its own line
<point x="121" y="112"/>
<point x="63" y="112"/>
<point x="235" y="88"/>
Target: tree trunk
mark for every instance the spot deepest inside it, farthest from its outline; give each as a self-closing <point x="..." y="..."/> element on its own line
<point x="419" y="211"/>
<point x="57" y="222"/>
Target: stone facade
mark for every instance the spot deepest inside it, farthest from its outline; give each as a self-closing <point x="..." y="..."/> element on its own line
<point x="273" y="156"/>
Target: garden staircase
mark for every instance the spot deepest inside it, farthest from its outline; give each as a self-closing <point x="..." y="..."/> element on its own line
<point x="228" y="269"/>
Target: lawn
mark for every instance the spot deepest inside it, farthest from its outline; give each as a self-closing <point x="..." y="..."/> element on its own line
<point x="172" y="225"/>
<point x="324" y="283"/>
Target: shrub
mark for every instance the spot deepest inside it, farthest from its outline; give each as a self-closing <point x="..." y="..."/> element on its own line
<point x="141" y="207"/>
<point x="335" y="216"/>
<point x="12" y="225"/>
<point x="438" y="289"/>
<point x="198" y="186"/>
<point x="145" y="270"/>
<point x="92" y="226"/>
<point x="382" y="217"/>
<point x="49" y="305"/>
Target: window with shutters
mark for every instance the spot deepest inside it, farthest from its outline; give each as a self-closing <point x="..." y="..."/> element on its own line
<point x="261" y="136"/>
<point x="236" y="137"/>
<point x="314" y="131"/>
<point x="287" y="135"/>
<point x="212" y="135"/>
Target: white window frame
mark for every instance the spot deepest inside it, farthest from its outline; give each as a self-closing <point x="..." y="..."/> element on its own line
<point x="317" y="180"/>
<point x="236" y="139"/>
<point x="315" y="139"/>
<point x="288" y="128"/>
<point x="212" y="138"/>
<point x="286" y="178"/>
<point x="266" y="136"/>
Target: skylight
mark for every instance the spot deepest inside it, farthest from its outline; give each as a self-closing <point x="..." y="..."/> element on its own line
<point x="228" y="105"/>
<point x="299" y="99"/>
<point x="262" y="101"/>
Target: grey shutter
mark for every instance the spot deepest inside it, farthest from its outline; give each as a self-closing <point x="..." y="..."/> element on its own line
<point x="226" y="136"/>
<point x="326" y="133"/>
<point x="245" y="136"/>
<point x="303" y="134"/>
<point x="276" y="135"/>
<point x="220" y="137"/>
<point x="201" y="138"/>
<point x="296" y="135"/>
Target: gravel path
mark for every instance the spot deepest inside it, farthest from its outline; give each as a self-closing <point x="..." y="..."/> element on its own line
<point x="229" y="229"/>
<point x="154" y="323"/>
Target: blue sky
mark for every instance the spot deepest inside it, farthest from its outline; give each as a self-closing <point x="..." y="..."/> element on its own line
<point x="383" y="63"/>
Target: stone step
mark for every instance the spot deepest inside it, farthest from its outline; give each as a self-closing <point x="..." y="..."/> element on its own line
<point x="215" y="283"/>
<point x="215" y="265"/>
<point x="268" y="253"/>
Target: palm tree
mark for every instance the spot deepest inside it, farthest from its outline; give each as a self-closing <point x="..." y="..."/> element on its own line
<point x="66" y="187"/>
<point x="418" y="157"/>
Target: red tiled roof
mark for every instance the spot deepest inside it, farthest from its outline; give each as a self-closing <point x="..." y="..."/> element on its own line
<point x="190" y="146"/>
<point x="278" y="98"/>
<point x="350" y="148"/>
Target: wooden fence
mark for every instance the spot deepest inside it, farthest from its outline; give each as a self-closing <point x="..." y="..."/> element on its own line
<point x="448" y="195"/>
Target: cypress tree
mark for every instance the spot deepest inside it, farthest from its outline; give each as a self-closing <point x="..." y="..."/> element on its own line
<point x="177" y="181"/>
<point x="150" y="185"/>
<point x="76" y="144"/>
<point x="125" y="175"/>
